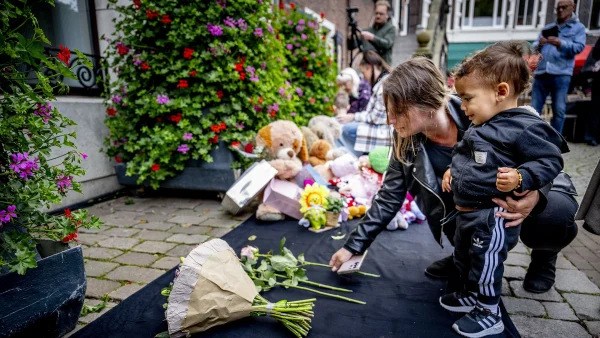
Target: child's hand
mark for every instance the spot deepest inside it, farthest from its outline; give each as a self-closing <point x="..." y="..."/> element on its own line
<point x="446" y="181"/>
<point x="507" y="179"/>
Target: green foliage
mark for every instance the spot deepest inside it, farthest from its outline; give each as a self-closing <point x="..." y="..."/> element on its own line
<point x="29" y="129"/>
<point x="335" y="204"/>
<point x="172" y="48"/>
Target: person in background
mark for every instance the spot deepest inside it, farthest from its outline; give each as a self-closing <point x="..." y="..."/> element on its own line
<point x="365" y="130"/>
<point x="341" y="103"/>
<point x="554" y="70"/>
<point x="358" y="89"/>
<point x="593" y="116"/>
<point x="381" y="35"/>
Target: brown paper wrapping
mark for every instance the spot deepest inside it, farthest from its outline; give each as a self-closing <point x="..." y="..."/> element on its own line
<point x="211" y="289"/>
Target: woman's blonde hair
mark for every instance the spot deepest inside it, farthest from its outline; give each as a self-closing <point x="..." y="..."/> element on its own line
<point x="415" y="84"/>
<point x="349" y="74"/>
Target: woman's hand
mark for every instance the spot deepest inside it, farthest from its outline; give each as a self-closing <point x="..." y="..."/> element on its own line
<point x="446" y="181"/>
<point x="343" y="119"/>
<point x="517" y="211"/>
<point x="339" y="258"/>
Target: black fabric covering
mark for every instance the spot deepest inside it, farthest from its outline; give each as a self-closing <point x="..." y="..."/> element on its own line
<point x="402" y="303"/>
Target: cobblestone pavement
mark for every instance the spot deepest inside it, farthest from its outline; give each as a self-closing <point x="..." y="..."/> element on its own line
<point x="144" y="237"/>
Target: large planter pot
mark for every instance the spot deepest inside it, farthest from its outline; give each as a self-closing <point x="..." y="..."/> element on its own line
<point x="197" y="175"/>
<point x="47" y="300"/>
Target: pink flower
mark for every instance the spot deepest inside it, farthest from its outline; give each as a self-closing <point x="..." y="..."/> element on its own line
<point x="43" y="111"/>
<point x="263" y="65"/>
<point x="222" y="3"/>
<point x="293" y="113"/>
<point x="270" y="29"/>
<point x="239" y="125"/>
<point x="183" y="148"/>
<point x="290" y="22"/>
<point x="6" y="215"/>
<point x="258" y="32"/>
<point x="23" y="166"/>
<point x="84" y="155"/>
<point x="299" y="91"/>
<point x="281" y="91"/>
<point x="116" y="98"/>
<point x="274" y="107"/>
<point x="64" y="182"/>
<point x="249" y="252"/>
<point x="303" y="36"/>
<point x="215" y="30"/>
<point x="162" y="99"/>
<point x="229" y="22"/>
<point x="242" y="24"/>
<point x="254" y="78"/>
<point x="289" y="46"/>
<point x="250" y="70"/>
<point x="187" y="136"/>
<point x="326" y="99"/>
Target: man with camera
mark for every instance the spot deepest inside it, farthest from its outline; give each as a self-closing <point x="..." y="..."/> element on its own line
<point x="558" y="44"/>
<point x="381" y="35"/>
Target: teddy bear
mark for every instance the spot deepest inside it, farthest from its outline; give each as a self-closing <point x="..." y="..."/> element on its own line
<point x="318" y="153"/>
<point x="322" y="127"/>
<point x="285" y="148"/>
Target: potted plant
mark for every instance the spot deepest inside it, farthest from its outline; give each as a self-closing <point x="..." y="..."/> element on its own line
<point x="38" y="167"/>
<point x="334" y="208"/>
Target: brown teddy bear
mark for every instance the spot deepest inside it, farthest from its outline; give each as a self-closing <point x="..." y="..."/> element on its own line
<point x="285" y="148"/>
<point x="318" y="153"/>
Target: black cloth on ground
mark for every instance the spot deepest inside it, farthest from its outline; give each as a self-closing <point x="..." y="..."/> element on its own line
<point x="402" y="303"/>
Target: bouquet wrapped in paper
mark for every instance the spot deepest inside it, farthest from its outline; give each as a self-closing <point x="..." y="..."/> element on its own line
<point x="212" y="289"/>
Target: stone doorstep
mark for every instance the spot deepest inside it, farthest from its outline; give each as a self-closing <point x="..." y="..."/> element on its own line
<point x="166" y="263"/>
<point x="97" y="268"/>
<point x="97" y="288"/>
<point x="153" y="247"/>
<point x="122" y="243"/>
<point x="136" y="258"/>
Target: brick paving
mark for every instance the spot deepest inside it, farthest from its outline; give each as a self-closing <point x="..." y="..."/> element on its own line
<point x="141" y="241"/>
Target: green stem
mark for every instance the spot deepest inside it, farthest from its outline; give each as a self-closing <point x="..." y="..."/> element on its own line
<point x="322" y="293"/>
<point x="317" y="284"/>
<point x="329" y="266"/>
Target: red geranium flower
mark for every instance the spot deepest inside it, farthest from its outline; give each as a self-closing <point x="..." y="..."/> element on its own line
<point x="122" y="49"/>
<point x="235" y="144"/>
<point x="242" y="75"/>
<point x="70" y="237"/>
<point x="137" y="4"/>
<point x="67" y="212"/>
<point x="322" y="15"/>
<point x="319" y="63"/>
<point x="215" y="128"/>
<point x="165" y="19"/>
<point x="222" y="126"/>
<point x="280" y="4"/>
<point x="214" y="140"/>
<point x="309" y="74"/>
<point x="118" y="159"/>
<point x="239" y="67"/>
<point x="111" y="111"/>
<point x="145" y="66"/>
<point x="176" y="118"/>
<point x="323" y="37"/>
<point x="272" y="113"/>
<point x="64" y="55"/>
<point x="182" y="84"/>
<point x="151" y="14"/>
<point x="277" y="37"/>
<point x="187" y="53"/>
<point x="260" y="100"/>
<point x="292" y="6"/>
<point x="220" y="94"/>
<point x="192" y="73"/>
<point x="155" y="167"/>
<point x="312" y="100"/>
<point x="249" y="148"/>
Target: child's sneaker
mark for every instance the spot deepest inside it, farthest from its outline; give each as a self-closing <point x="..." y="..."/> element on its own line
<point x="479" y="322"/>
<point x="460" y="301"/>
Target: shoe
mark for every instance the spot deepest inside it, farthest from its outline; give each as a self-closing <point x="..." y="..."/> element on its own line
<point x="440" y="269"/>
<point x="542" y="271"/>
<point x="592" y="143"/>
<point x="479" y="322"/>
<point x="460" y="301"/>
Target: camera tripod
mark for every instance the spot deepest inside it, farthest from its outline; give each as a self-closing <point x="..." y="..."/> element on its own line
<point x="354" y="41"/>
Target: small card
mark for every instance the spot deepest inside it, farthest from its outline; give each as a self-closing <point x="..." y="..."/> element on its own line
<point x="352" y="265"/>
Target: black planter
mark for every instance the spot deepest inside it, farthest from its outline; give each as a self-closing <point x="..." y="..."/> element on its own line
<point x="47" y="300"/>
<point x="197" y="175"/>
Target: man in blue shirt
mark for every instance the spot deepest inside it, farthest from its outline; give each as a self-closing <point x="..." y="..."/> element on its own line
<point x="558" y="43"/>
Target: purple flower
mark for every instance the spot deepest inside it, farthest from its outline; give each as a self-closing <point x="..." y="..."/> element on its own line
<point x="117" y="98"/>
<point x="64" y="182"/>
<point x="254" y="78"/>
<point x="43" y="111"/>
<point x="263" y="65"/>
<point x="285" y="70"/>
<point x="294" y="38"/>
<point x="229" y="22"/>
<point x="299" y="28"/>
<point x="289" y="46"/>
<point x="303" y="36"/>
<point x="311" y="24"/>
<point x="326" y="99"/>
<point x="290" y="22"/>
<point x="274" y="107"/>
<point x="293" y="113"/>
<point x="183" y="148"/>
<point x="222" y="3"/>
<point x="84" y="155"/>
<point x="281" y="91"/>
<point x="136" y="59"/>
<point x="301" y="22"/>
<point x="299" y="91"/>
<point x="270" y="29"/>
<point x="242" y="24"/>
<point x="313" y="55"/>
<point x="123" y="140"/>
<point x="239" y="125"/>
<point x="250" y="70"/>
<point x="258" y="32"/>
<point x="23" y="166"/>
<point x="298" y="45"/>
<point x="162" y="99"/>
<point x="187" y="136"/>
<point x="304" y="49"/>
<point x="257" y="108"/>
<point x="215" y="30"/>
<point x="6" y="215"/>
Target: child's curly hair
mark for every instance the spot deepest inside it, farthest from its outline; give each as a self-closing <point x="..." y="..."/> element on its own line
<point x="501" y="62"/>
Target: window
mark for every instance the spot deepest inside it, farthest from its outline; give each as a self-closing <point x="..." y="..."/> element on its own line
<point x="595" y="15"/>
<point x="526" y="12"/>
<point x="71" y="23"/>
<point x="484" y="13"/>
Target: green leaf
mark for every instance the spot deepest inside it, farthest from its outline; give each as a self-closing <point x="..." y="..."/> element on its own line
<point x="163" y="335"/>
<point x="280" y="263"/>
<point x="251" y="238"/>
<point x="301" y="258"/>
<point x="338" y="237"/>
<point x="300" y="274"/>
<point x="84" y="59"/>
<point x="272" y="281"/>
<point x="281" y="244"/>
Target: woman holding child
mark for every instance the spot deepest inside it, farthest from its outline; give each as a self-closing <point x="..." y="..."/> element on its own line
<point x="427" y="124"/>
<point x="368" y="128"/>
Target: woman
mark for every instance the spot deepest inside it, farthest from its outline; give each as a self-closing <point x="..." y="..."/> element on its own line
<point x="359" y="90"/>
<point x="367" y="129"/>
<point x="427" y="124"/>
